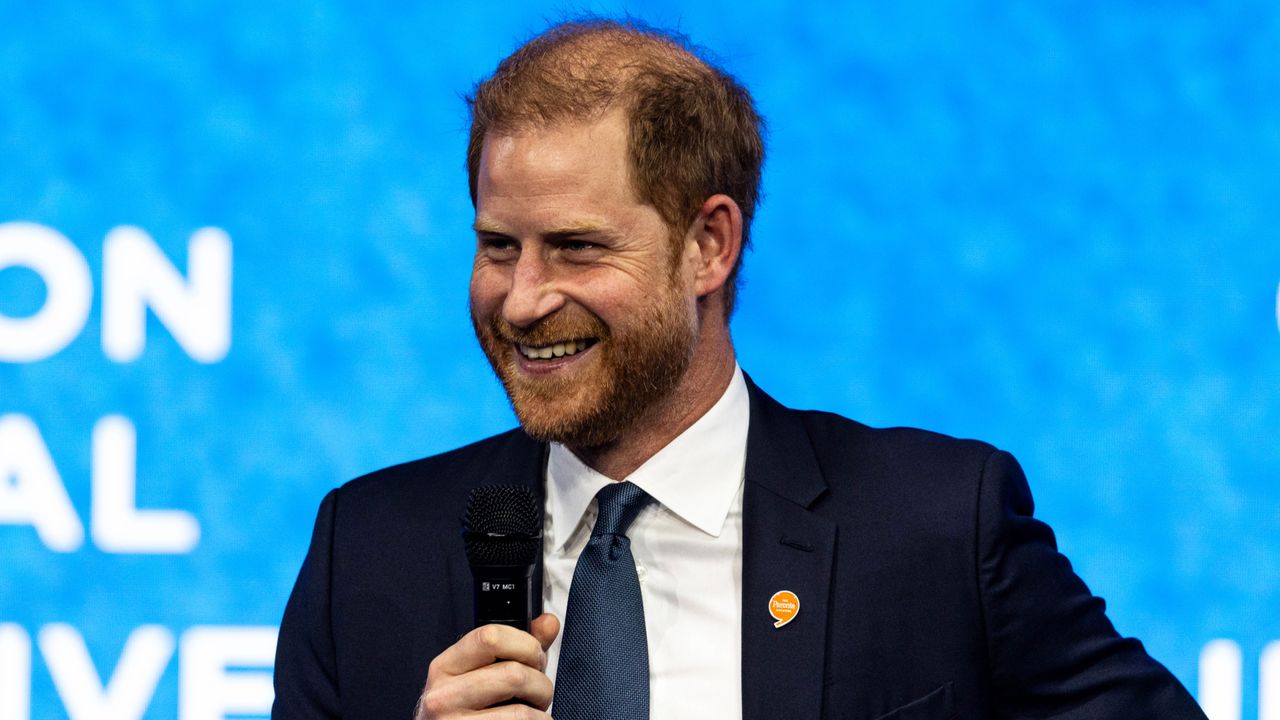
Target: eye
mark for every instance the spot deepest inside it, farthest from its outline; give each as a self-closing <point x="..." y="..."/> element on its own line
<point x="580" y="248"/>
<point x="497" y="247"/>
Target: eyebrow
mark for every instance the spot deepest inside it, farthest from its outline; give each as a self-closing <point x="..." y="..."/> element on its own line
<point x="481" y="225"/>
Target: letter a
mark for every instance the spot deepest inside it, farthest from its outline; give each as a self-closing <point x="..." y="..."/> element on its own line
<point x="31" y="492"/>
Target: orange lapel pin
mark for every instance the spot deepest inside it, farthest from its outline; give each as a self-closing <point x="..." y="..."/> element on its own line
<point x="784" y="606"/>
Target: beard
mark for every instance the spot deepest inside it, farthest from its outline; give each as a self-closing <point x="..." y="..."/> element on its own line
<point x="636" y="364"/>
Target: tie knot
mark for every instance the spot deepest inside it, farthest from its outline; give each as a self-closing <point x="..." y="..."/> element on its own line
<point x="618" y="504"/>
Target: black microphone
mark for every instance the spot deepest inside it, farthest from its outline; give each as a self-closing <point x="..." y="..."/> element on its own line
<point x="502" y="531"/>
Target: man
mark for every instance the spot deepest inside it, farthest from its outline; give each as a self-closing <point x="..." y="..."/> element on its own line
<point x="759" y="562"/>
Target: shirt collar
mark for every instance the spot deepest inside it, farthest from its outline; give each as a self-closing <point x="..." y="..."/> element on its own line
<point x="696" y="476"/>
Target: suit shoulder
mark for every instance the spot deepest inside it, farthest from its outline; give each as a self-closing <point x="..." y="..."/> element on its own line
<point x="831" y="431"/>
<point x="900" y="463"/>
<point x="455" y="460"/>
<point x="441" y="480"/>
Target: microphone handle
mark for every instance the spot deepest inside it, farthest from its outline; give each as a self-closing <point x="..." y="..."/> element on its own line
<point x="507" y="595"/>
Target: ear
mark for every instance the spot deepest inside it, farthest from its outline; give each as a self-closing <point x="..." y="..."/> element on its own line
<point x="714" y="242"/>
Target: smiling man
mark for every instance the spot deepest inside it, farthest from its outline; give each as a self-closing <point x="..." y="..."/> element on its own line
<point x="710" y="553"/>
<point x="596" y="314"/>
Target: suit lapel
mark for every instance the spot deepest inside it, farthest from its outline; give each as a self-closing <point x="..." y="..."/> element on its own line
<point x="785" y="547"/>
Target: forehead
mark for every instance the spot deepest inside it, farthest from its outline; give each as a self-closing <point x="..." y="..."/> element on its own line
<point x="569" y="165"/>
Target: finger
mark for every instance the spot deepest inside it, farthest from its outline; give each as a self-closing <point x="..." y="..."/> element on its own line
<point x="545" y="627"/>
<point x="487" y="644"/>
<point x="488" y="686"/>
<point x="511" y="712"/>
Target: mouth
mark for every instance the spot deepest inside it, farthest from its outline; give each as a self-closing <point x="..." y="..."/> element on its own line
<point x="554" y="350"/>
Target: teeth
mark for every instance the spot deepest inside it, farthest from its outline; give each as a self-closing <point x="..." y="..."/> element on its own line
<point x="557" y="350"/>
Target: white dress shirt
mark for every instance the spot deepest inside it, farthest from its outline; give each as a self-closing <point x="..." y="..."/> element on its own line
<point x="688" y="551"/>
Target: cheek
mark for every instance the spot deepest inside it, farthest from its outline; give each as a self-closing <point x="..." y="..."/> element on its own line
<point x="612" y="302"/>
<point x="488" y="288"/>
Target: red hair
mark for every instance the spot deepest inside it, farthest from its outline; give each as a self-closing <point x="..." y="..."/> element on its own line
<point x="693" y="129"/>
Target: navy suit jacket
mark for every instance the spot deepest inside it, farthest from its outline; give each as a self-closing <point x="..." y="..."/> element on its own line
<point x="927" y="589"/>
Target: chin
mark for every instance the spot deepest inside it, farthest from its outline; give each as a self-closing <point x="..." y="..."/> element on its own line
<point x="568" y="424"/>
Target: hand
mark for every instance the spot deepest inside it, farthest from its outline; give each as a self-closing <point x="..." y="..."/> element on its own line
<point x="489" y="665"/>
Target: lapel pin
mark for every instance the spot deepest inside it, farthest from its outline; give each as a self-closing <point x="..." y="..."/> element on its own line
<point x="784" y="606"/>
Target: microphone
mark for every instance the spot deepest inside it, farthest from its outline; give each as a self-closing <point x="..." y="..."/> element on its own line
<point x="502" y="531"/>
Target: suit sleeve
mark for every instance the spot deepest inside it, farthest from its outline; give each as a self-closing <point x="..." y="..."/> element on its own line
<point x="306" y="666"/>
<point x="1053" y="653"/>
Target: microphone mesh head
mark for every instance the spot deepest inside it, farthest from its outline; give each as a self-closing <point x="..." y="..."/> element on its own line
<point x="503" y="526"/>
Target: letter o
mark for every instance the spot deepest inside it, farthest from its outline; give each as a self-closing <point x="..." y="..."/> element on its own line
<point x="69" y="292"/>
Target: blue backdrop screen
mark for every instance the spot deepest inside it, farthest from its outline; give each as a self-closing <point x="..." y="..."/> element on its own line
<point x="235" y="246"/>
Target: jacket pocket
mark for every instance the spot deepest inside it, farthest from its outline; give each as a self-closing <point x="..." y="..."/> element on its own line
<point x="937" y="705"/>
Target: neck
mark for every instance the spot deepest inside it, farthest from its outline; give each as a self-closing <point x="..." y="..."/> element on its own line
<point x="701" y="387"/>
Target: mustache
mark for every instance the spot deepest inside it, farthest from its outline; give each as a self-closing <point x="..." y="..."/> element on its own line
<point x="562" y="326"/>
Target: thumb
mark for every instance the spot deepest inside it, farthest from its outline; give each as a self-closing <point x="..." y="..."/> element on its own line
<point x="545" y="627"/>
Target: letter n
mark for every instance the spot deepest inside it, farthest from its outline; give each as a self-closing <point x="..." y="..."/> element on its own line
<point x="196" y="310"/>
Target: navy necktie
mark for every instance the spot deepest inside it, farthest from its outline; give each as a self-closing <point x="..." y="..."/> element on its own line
<point x="604" y="655"/>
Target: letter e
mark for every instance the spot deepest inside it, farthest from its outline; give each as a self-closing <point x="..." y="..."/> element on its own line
<point x="207" y="690"/>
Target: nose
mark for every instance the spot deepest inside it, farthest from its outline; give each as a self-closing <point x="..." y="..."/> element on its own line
<point x="533" y="294"/>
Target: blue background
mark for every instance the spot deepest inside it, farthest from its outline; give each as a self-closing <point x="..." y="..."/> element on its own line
<point x="1050" y="226"/>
